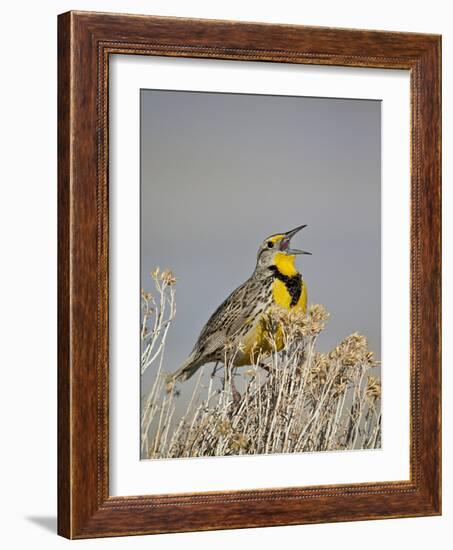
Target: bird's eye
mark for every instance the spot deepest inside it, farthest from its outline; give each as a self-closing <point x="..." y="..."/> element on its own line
<point x="270" y="244"/>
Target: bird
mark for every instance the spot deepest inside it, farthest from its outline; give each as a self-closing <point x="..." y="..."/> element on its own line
<point x="240" y="319"/>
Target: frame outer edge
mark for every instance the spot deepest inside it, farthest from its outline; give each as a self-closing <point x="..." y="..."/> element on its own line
<point x="82" y="511"/>
<point x="433" y="145"/>
<point x="427" y="233"/>
<point x="438" y="170"/>
<point x="64" y="526"/>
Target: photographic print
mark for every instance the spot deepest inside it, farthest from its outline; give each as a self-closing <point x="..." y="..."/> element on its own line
<point x="260" y="274"/>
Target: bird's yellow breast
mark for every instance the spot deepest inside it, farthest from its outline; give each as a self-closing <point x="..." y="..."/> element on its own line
<point x="282" y="296"/>
<point x="258" y="341"/>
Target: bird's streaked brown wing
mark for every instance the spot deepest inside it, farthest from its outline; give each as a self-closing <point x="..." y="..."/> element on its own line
<point x="235" y="313"/>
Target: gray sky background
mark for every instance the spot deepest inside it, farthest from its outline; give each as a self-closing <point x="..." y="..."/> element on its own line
<point x="221" y="172"/>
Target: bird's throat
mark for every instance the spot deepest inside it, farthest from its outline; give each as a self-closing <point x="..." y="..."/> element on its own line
<point x="285" y="264"/>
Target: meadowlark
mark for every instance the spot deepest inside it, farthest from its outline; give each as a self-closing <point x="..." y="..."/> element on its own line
<point x="240" y="320"/>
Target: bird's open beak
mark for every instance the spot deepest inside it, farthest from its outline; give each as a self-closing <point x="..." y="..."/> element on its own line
<point x="284" y="243"/>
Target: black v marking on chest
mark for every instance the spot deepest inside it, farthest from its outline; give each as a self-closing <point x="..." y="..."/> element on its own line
<point x="293" y="284"/>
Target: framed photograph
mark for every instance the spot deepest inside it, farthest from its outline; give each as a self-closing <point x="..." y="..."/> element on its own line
<point x="249" y="275"/>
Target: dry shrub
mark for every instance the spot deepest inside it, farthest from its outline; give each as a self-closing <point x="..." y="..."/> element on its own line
<point x="294" y="400"/>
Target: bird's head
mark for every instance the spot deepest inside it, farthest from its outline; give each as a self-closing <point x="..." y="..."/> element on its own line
<point x="276" y="250"/>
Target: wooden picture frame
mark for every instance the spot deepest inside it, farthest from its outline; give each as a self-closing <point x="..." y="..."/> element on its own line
<point x="85" y="42"/>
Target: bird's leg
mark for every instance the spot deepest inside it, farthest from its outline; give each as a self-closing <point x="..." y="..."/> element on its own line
<point x="284" y="355"/>
<point x="236" y="394"/>
<point x="214" y="370"/>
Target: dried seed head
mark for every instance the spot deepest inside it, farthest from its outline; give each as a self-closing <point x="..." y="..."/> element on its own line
<point x="223" y="427"/>
<point x="318" y="313"/>
<point x="321" y="361"/>
<point x="240" y="347"/>
<point x="373" y="389"/>
<point x="340" y="384"/>
<point x="168" y="277"/>
<point x="293" y="324"/>
<point x="352" y="351"/>
<point x="319" y="372"/>
<point x="238" y="442"/>
<point x="146" y="296"/>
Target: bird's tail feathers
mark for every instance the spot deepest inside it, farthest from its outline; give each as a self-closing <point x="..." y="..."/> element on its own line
<point x="185" y="371"/>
